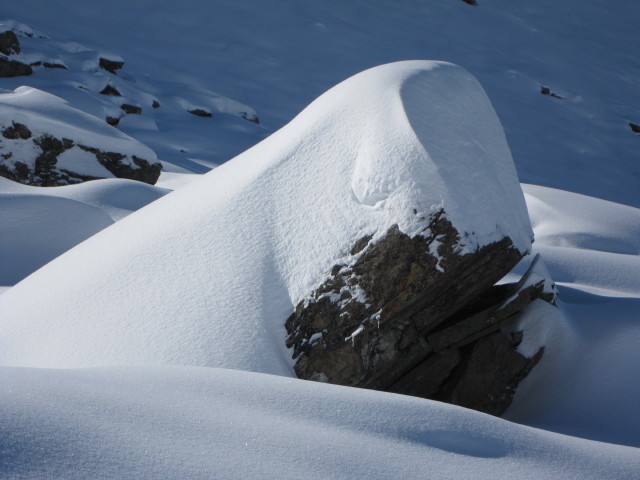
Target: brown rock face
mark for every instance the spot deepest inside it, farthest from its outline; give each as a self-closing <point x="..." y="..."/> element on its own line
<point x="417" y="316"/>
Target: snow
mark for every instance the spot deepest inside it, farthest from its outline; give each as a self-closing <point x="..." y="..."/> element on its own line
<point x="277" y="59"/>
<point x="207" y="275"/>
<point x="37" y="225"/>
<point x="42" y="112"/>
<point x="186" y="422"/>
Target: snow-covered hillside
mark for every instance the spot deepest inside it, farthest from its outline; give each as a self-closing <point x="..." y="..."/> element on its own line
<point x="279" y="58"/>
<point x="153" y="347"/>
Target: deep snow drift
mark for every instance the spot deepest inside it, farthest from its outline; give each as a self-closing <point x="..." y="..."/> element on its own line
<point x="197" y="423"/>
<point x="208" y="274"/>
<point x="38" y="224"/>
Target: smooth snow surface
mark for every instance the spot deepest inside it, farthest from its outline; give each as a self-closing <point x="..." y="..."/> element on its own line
<point x="185" y="422"/>
<point x="208" y="275"/>
<point x="38" y="224"/>
<point x="587" y="382"/>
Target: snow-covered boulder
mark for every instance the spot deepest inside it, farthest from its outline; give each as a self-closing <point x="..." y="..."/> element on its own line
<point x="223" y="261"/>
<point x="45" y="141"/>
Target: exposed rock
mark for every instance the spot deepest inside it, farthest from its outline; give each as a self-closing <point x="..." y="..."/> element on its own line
<point x="417" y="316"/>
<point x="155" y="104"/>
<point x="634" y="127"/>
<point x="489" y="375"/>
<point x="132" y="109"/>
<point x="9" y="43"/>
<point x="110" y="90"/>
<point x="146" y="172"/>
<point x="54" y="65"/>
<point x="110" y="66"/>
<point x="15" y="131"/>
<point x="547" y="91"/>
<point x="252" y="117"/>
<point x="13" y="68"/>
<point x="46" y="172"/>
<point x="198" y="112"/>
<point x="470" y="2"/>
<point x="113" y="121"/>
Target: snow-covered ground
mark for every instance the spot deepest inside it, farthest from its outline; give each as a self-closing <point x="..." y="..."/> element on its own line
<point x="207" y="274"/>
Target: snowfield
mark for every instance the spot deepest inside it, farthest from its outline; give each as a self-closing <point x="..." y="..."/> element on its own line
<point x="142" y="327"/>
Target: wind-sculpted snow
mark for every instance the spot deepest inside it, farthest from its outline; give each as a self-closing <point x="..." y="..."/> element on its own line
<point x="209" y="274"/>
<point x="38" y="224"/>
<point x="185" y="422"/>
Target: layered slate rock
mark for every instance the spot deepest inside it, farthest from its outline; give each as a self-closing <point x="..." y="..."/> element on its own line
<point x="418" y="316"/>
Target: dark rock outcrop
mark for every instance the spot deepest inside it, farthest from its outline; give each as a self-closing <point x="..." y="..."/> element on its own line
<point x="146" y="172"/>
<point x="420" y="317"/>
<point x="110" y="66"/>
<point x="110" y="90"/>
<point x="634" y="127"/>
<point x="13" y="68"/>
<point x="45" y="171"/>
<point x="547" y="91"/>
<point x="131" y="109"/>
<point x="9" y="43"/>
<point x="16" y="131"/>
<point x="198" y="112"/>
<point x="61" y="66"/>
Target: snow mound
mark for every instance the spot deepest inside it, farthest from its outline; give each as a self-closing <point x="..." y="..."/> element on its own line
<point x="185" y="422"/>
<point x="38" y="224"/>
<point x="208" y="275"/>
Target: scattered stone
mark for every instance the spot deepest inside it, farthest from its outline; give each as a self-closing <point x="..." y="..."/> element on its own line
<point x="200" y="112"/>
<point x="110" y="66"/>
<point x="110" y="90"/>
<point x="132" y="109"/>
<point x="9" y="43"/>
<point x="634" y="127"/>
<point x="251" y="117"/>
<point x="16" y="131"/>
<point x="113" y="121"/>
<point x="13" y="68"/>
<point x="548" y="92"/>
<point x="155" y="104"/>
<point x="112" y="161"/>
<point x="54" y="65"/>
